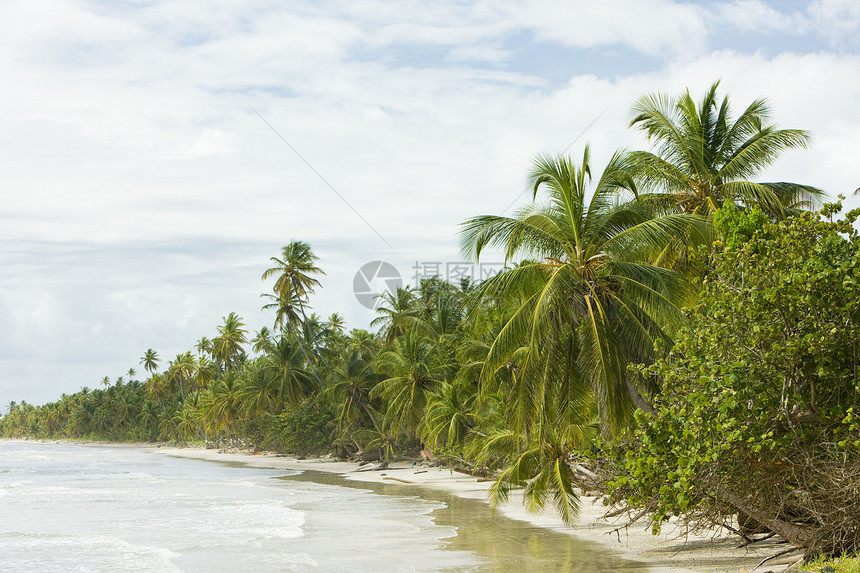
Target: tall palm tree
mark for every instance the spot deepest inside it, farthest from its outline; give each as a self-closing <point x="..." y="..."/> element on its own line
<point x="591" y="287"/>
<point x="294" y="270"/>
<point x="262" y="341"/>
<point x="294" y="283"/>
<point x="703" y="156"/>
<point x="591" y="305"/>
<point x="181" y="371"/>
<point x="353" y="377"/>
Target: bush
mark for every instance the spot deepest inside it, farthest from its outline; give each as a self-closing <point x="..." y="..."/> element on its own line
<point x="758" y="413"/>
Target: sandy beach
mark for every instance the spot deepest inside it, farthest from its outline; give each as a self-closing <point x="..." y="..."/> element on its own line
<point x="668" y="552"/>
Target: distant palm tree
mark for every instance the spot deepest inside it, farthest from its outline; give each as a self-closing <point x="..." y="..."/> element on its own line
<point x="396" y="310"/>
<point x="227" y="347"/>
<point x="412" y="372"/>
<point x="181" y="371"/>
<point x="294" y="282"/>
<point x="262" y="342"/>
<point x="294" y="270"/>
<point x="284" y="367"/>
<point x="150" y="360"/>
<point x="353" y="377"/>
<point x="704" y="156"/>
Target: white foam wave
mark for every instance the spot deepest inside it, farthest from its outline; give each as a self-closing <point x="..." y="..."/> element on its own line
<point x="82" y="553"/>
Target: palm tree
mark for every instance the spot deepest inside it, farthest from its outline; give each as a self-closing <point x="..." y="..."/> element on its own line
<point x="204" y="346"/>
<point x="353" y="377"/>
<point x="149" y="360"/>
<point x="413" y="372"/>
<point x="227" y="347"/>
<point x="258" y="394"/>
<point x="396" y="309"/>
<point x="589" y="291"/>
<point x="283" y="365"/>
<point x="450" y="415"/>
<point x="181" y="371"/>
<point x="590" y="305"/>
<point x="262" y="341"/>
<point x="704" y="157"/>
<point x="293" y="285"/>
<point x="294" y="270"/>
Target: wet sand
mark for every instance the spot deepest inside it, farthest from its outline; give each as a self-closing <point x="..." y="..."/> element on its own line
<point x="670" y="552"/>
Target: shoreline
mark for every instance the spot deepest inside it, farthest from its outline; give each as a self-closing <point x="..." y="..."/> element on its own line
<point x="668" y="552"/>
<point x="665" y="553"/>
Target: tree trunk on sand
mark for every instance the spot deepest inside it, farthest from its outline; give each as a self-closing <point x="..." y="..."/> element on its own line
<point x="795" y="534"/>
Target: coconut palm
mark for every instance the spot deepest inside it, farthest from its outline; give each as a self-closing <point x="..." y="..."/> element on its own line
<point x="294" y="270"/>
<point x="413" y="372"/>
<point x="450" y="415"/>
<point x="396" y="310"/>
<point x="589" y="292"/>
<point x="590" y="306"/>
<point x="703" y="156"/>
<point x="227" y="346"/>
<point x="181" y="371"/>
<point x="353" y="377"/>
<point x="149" y="360"/>
<point x="262" y="341"/>
<point x="294" y="283"/>
<point x="284" y="367"/>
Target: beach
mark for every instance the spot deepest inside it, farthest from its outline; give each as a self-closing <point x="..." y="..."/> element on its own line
<point x="669" y="552"/>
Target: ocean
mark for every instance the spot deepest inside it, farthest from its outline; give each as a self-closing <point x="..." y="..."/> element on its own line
<point x="68" y="507"/>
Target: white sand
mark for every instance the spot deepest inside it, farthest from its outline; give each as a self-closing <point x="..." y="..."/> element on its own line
<point x="663" y="554"/>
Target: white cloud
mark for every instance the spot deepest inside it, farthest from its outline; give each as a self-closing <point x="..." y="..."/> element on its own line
<point x="836" y="19"/>
<point x="757" y="16"/>
<point x="143" y="195"/>
<point x="654" y="27"/>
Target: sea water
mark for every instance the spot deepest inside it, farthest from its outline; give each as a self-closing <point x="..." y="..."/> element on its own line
<point x="80" y="508"/>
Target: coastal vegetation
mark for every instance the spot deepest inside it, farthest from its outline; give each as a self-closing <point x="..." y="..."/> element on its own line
<point x="666" y="331"/>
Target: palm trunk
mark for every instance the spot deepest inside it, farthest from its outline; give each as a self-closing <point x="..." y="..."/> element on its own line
<point x="306" y="355"/>
<point x="636" y="397"/>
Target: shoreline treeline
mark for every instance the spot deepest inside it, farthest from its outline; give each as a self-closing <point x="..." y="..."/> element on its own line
<point x="666" y="330"/>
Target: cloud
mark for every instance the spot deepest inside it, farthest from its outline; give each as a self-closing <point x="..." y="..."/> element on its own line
<point x="837" y="20"/>
<point x="758" y="16"/>
<point x="144" y="195"/>
<point x="653" y="27"/>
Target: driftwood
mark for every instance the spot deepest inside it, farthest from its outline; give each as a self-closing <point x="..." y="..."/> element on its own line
<point x="398" y="479"/>
<point x="377" y="467"/>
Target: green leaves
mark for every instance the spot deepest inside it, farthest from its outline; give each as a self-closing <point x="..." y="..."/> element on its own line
<point x="760" y="390"/>
<point x="702" y="157"/>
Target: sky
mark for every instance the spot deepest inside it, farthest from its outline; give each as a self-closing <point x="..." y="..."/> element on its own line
<point x="154" y="154"/>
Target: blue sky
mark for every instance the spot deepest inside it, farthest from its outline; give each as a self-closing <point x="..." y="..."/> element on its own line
<point x="143" y="195"/>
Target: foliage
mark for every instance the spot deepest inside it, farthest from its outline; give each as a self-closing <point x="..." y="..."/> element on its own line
<point x="703" y="156"/>
<point x="843" y="564"/>
<point x="757" y="416"/>
<point x="307" y="429"/>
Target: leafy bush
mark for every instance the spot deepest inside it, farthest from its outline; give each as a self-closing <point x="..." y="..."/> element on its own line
<point x="757" y="417"/>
